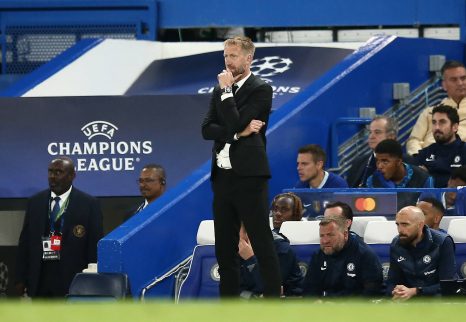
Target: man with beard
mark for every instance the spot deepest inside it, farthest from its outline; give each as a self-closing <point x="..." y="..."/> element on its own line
<point x="344" y="265"/>
<point x="236" y="122"/>
<point x="59" y="238"/>
<point x="448" y="152"/>
<point x="454" y="83"/>
<point x="419" y="257"/>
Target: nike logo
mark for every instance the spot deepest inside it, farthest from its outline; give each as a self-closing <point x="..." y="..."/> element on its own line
<point x="323" y="268"/>
<point x="400" y="259"/>
<point x="431" y="158"/>
<point x="305" y="205"/>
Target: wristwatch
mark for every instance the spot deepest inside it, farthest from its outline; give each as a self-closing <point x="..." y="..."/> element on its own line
<point x="227" y="90"/>
<point x="419" y="290"/>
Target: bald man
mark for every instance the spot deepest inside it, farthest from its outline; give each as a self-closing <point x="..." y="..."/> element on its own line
<point x="419" y="257"/>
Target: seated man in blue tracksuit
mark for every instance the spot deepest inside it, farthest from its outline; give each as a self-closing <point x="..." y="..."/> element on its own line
<point x="392" y="172"/>
<point x="344" y="265"/>
<point x="419" y="257"/>
<point x="250" y="281"/>
<point x="453" y="202"/>
<point x="310" y="165"/>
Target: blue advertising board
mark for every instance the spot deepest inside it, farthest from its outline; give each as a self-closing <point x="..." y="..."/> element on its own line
<point x="110" y="138"/>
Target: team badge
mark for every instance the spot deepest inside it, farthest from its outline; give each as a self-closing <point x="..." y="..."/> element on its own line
<point x="350" y="267"/>
<point x="385" y="269"/>
<point x="303" y="268"/>
<point x="79" y="231"/>
<point x="457" y="159"/>
<point x="426" y="259"/>
<point x="214" y="274"/>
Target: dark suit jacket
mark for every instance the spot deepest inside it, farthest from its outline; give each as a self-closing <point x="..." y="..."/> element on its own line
<point x="252" y="101"/>
<point x="79" y="247"/>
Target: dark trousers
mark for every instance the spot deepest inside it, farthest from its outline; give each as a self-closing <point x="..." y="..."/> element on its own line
<point x="243" y="199"/>
<point x="51" y="281"/>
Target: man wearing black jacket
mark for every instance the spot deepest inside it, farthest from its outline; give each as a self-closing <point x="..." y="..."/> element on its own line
<point x="344" y="265"/>
<point x="236" y="122"/>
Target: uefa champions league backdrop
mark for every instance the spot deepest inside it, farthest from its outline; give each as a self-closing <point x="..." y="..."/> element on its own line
<point x="110" y="138"/>
<point x="287" y="69"/>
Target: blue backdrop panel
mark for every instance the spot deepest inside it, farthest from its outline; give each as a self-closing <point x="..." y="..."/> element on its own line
<point x="109" y="138"/>
<point x="287" y="69"/>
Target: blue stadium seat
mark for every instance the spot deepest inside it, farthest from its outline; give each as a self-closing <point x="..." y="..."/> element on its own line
<point x="202" y="280"/>
<point x="379" y="235"/>
<point x="457" y="230"/>
<point x="304" y="240"/>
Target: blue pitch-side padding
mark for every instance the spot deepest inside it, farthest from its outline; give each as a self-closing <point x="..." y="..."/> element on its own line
<point x="202" y="280"/>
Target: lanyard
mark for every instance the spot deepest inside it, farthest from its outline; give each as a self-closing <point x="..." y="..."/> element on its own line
<point x="59" y="215"/>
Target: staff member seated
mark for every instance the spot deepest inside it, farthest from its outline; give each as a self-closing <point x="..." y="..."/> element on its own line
<point x="344" y="265"/>
<point x="419" y="257"/>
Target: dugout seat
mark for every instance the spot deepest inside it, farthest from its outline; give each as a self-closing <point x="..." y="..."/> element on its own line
<point x="99" y="286"/>
<point x="360" y="223"/>
<point x="304" y="240"/>
<point x="379" y="235"/>
<point x="301" y="232"/>
<point x="445" y="222"/>
<point x="457" y="230"/>
<point x="202" y="280"/>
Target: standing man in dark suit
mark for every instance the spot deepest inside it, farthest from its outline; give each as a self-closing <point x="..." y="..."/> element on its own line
<point x="236" y="121"/>
<point x="59" y="238"/>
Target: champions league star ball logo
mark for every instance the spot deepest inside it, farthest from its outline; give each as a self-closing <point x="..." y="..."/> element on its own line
<point x="270" y="66"/>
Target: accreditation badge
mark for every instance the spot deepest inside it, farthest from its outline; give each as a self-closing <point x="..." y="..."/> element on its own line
<point x="48" y="251"/>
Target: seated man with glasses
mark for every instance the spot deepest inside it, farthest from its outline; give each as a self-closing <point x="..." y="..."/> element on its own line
<point x="151" y="183"/>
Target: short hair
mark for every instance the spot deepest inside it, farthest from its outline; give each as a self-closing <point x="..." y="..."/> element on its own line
<point x="298" y="209"/>
<point x="459" y="173"/>
<point x="449" y="64"/>
<point x="338" y="220"/>
<point x="392" y="124"/>
<point x="391" y="147"/>
<point x="159" y="169"/>
<point x="451" y="113"/>
<point x="64" y="158"/>
<point x="245" y="43"/>
<point x="347" y="211"/>
<point x="317" y="152"/>
<point x="435" y="203"/>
